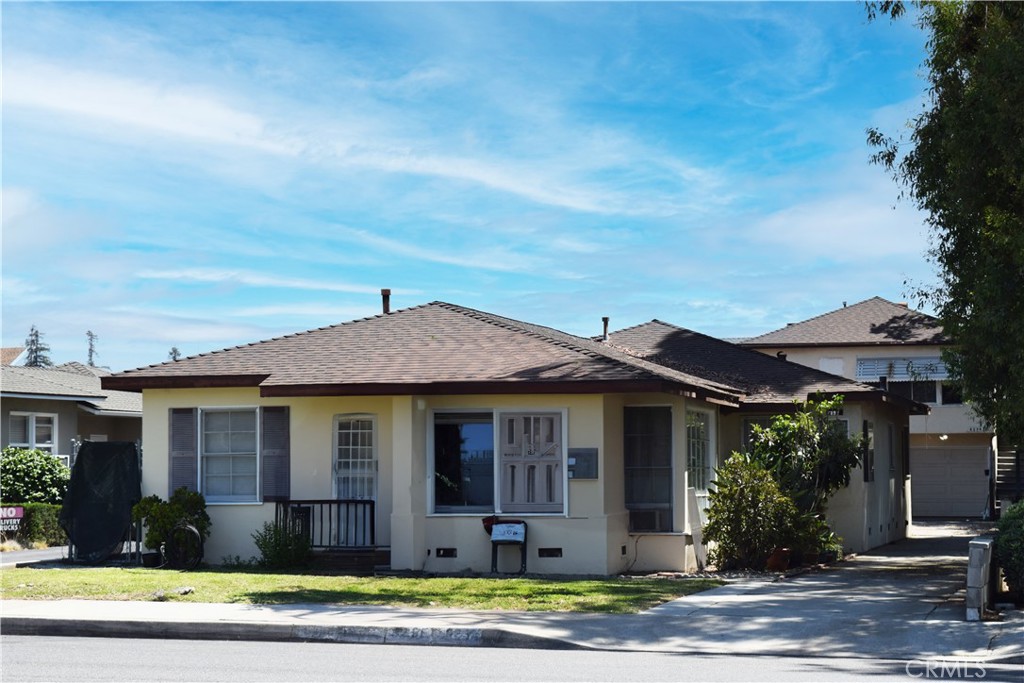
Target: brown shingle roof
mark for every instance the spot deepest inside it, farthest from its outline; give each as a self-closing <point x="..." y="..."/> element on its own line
<point x="9" y="354"/>
<point x="871" y="322"/>
<point x="438" y="348"/>
<point x="765" y="379"/>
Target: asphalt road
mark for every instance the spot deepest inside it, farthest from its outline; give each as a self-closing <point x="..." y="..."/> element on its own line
<point x="37" y="658"/>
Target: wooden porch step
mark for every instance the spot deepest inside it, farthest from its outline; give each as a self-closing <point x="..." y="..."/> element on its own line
<point x="352" y="561"/>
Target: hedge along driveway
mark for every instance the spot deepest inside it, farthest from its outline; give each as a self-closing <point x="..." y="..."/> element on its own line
<point x="609" y="595"/>
<point x="40" y="524"/>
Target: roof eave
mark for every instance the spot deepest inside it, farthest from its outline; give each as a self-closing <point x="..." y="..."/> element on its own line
<point x="140" y="382"/>
<point x="49" y="397"/>
<point x="462" y="388"/>
<point x="94" y="410"/>
<point x="785" y="345"/>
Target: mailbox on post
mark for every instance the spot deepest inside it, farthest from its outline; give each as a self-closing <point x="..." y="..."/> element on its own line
<point x="508" y="532"/>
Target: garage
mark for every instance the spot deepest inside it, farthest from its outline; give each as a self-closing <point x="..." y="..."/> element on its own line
<point x="949" y="482"/>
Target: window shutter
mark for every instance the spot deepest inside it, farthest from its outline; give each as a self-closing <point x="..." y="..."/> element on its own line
<point x="184" y="451"/>
<point x="275" y="452"/>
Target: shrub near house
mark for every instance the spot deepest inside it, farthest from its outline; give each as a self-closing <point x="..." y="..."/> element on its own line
<point x="32" y="476"/>
<point x="776" y="495"/>
<point x="32" y="483"/>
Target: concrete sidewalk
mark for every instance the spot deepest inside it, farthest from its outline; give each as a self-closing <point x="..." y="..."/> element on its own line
<point x="904" y="601"/>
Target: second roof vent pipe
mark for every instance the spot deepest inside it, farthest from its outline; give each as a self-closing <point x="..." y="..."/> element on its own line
<point x="385" y="295"/>
<point x="604" y="320"/>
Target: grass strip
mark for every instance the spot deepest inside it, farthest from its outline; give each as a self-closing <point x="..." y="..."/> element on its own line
<point x="611" y="595"/>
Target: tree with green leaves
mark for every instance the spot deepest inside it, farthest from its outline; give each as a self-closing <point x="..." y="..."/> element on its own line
<point x="36" y="350"/>
<point x="808" y="452"/>
<point x="174" y="353"/>
<point x="962" y="163"/>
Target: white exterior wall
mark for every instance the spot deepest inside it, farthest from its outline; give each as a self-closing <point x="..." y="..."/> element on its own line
<point x="951" y="419"/>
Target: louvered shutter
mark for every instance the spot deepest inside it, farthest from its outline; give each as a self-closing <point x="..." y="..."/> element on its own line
<point x="184" y="451"/>
<point x="275" y="453"/>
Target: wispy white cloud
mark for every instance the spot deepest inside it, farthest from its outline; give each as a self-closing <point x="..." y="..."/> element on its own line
<point x="175" y="111"/>
<point x="250" y="279"/>
<point x="310" y="311"/>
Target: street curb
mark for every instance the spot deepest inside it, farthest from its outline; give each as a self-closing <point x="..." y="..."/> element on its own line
<point x="303" y="633"/>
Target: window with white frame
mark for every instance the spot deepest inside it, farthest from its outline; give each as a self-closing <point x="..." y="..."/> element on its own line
<point x="33" y="430"/>
<point x="700" y="462"/>
<point x="227" y="455"/>
<point x="527" y="476"/>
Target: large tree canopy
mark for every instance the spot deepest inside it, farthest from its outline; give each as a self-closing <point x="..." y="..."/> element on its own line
<point x="962" y="163"/>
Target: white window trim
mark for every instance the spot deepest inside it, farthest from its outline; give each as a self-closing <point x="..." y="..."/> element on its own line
<point x="30" y="431"/>
<point x="258" y="500"/>
<point x="496" y="414"/>
<point x="334" y="450"/>
<point x="712" y="432"/>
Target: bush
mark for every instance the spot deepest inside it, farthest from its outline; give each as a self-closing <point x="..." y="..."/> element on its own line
<point x="161" y="517"/>
<point x="32" y="476"/>
<point x="808" y="453"/>
<point x="282" y="546"/>
<point x="749" y="516"/>
<point x="1009" y="548"/>
<point x="40" y="524"/>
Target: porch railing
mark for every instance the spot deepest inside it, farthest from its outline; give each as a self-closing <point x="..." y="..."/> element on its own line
<point x="332" y="523"/>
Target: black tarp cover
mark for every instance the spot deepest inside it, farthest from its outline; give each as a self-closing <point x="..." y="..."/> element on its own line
<point x="97" y="511"/>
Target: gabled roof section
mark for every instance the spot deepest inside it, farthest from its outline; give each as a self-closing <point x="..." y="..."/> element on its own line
<point x="431" y="349"/>
<point x="875" y="321"/>
<point x="71" y="382"/>
<point x="764" y="379"/>
<point x="9" y="354"/>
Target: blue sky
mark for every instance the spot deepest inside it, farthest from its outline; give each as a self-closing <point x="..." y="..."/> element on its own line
<point x="202" y="175"/>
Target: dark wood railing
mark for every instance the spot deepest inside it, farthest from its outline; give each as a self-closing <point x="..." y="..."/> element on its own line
<point x="332" y="523"/>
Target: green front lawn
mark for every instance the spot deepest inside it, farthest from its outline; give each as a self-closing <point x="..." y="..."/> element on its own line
<point x="612" y="595"/>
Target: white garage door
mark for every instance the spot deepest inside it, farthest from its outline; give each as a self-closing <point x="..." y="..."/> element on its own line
<point x="948" y="482"/>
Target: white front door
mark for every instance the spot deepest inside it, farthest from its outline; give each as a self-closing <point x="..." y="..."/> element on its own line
<point x="355" y="476"/>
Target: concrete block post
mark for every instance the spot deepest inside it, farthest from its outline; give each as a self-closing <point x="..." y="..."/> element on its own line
<point x="979" y="573"/>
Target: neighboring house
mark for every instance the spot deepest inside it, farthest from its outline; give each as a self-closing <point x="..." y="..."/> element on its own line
<point x="406" y="429"/>
<point x="877" y="341"/>
<point x="52" y="408"/>
<point x="872" y="510"/>
<point x="9" y="355"/>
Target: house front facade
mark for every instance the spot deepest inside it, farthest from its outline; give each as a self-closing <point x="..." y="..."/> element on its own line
<point x="53" y="409"/>
<point x="408" y="429"/>
<point x="952" y="451"/>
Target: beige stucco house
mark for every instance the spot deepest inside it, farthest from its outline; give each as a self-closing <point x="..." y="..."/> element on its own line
<point x="427" y="420"/>
<point x="952" y="451"/>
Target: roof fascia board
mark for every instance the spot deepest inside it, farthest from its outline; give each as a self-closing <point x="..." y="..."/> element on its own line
<point x="140" y="382"/>
<point x="785" y="345"/>
<point x="50" y="397"/>
<point x="468" y="388"/>
<point x="93" y="410"/>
